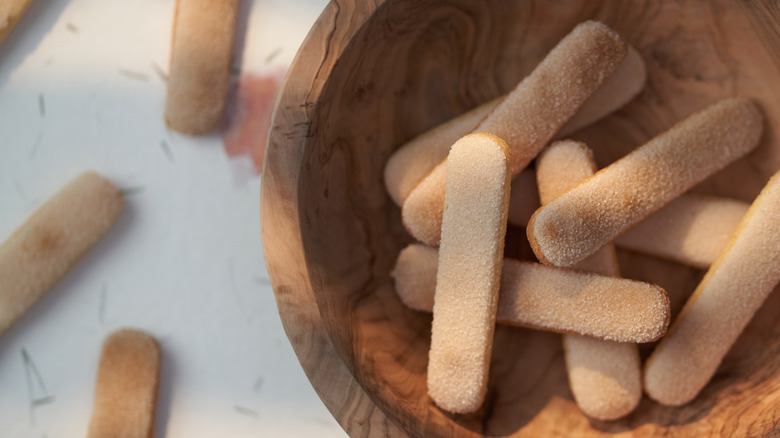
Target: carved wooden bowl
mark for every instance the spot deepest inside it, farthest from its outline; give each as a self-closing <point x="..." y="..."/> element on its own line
<point x="373" y="74"/>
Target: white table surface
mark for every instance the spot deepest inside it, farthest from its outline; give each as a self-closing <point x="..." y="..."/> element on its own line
<point x="185" y="260"/>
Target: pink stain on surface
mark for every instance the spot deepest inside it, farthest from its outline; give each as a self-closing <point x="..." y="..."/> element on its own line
<point x="249" y="116"/>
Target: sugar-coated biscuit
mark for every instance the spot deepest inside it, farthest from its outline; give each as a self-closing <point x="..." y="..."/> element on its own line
<point x="530" y="116"/>
<point x="619" y="88"/>
<point x="203" y="34"/>
<point x="549" y="298"/>
<point x="728" y="296"/>
<point x="416" y="159"/>
<point x="52" y="240"/>
<point x="692" y="229"/>
<point x="469" y="272"/>
<point x="126" y="387"/>
<point x="605" y="377"/>
<point x="584" y="219"/>
<point x="560" y="167"/>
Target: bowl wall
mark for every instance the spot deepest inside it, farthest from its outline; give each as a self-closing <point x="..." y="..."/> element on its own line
<point x="414" y="64"/>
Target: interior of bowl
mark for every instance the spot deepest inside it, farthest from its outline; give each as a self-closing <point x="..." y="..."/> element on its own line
<point x="415" y="64"/>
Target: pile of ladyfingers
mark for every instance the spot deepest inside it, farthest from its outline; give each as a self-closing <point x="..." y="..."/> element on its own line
<point x="461" y="182"/>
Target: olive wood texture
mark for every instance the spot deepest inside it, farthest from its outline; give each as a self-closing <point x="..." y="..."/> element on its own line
<point x="374" y="74"/>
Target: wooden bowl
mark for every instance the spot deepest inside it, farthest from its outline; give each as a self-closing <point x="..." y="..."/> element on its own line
<point x="372" y="75"/>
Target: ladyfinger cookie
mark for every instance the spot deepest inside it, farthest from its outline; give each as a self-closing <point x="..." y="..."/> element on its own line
<point x="52" y="240"/>
<point x="692" y="229"/>
<point x="559" y="168"/>
<point x="733" y="289"/>
<point x="549" y="298"/>
<point x="529" y="117"/>
<point x="605" y="377"/>
<point x="203" y="33"/>
<point x="469" y="272"/>
<point x="10" y="13"/>
<point x="414" y="160"/>
<point x="126" y="389"/>
<point x="581" y="221"/>
<point x="619" y="88"/>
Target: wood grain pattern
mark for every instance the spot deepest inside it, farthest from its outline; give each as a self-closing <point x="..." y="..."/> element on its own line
<point x="372" y="75"/>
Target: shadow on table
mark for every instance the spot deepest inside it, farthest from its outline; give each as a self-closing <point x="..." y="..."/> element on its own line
<point x="164" y="392"/>
<point x="28" y="33"/>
